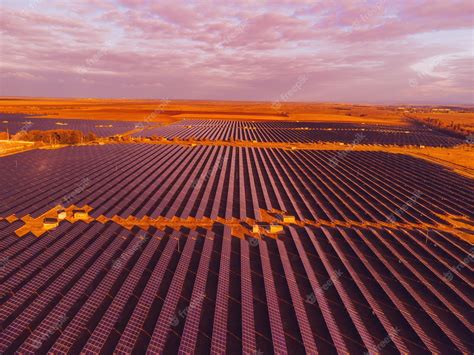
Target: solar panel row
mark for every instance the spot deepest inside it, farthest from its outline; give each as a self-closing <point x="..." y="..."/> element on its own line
<point x="100" y="293"/>
<point x="171" y="181"/>
<point x="305" y="132"/>
<point x="102" y="128"/>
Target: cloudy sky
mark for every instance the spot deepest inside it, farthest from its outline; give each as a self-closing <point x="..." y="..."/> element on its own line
<point x="382" y="51"/>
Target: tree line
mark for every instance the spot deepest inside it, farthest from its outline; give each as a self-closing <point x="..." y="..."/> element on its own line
<point x="58" y="136"/>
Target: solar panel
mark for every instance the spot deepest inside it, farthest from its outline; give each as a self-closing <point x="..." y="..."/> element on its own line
<point x="357" y="318"/>
<point x="395" y="297"/>
<point x="45" y="271"/>
<point x="77" y="324"/>
<point x="442" y="319"/>
<point x="194" y="310"/>
<point x="57" y="317"/>
<point x="135" y="324"/>
<point x="201" y="182"/>
<point x="168" y="311"/>
<point x="106" y="325"/>
<point x="303" y="321"/>
<point x="278" y="335"/>
<point x="20" y="323"/>
<point x="219" y="328"/>
<point x="336" y="333"/>
<point x="220" y="186"/>
<point x="249" y="345"/>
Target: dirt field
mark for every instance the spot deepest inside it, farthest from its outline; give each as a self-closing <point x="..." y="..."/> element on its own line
<point x="11" y="147"/>
<point x="168" y="111"/>
<point x="463" y="119"/>
<point x="164" y="110"/>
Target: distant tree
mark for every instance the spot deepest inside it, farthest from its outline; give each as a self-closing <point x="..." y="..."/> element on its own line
<point x="91" y="136"/>
<point x="72" y="137"/>
<point x="19" y="136"/>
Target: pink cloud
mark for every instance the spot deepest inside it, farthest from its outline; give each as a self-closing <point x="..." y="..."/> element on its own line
<point x="351" y="50"/>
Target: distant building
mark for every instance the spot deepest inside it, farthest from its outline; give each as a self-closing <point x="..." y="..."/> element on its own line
<point x="50" y="223"/>
<point x="62" y="214"/>
<point x="287" y="218"/>
<point x="80" y="214"/>
<point x="274" y="228"/>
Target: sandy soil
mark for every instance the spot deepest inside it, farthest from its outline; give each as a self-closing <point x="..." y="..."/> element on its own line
<point x="463" y="119"/>
<point x="165" y="110"/>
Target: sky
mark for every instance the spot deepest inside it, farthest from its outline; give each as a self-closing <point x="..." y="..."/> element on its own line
<point x="368" y="51"/>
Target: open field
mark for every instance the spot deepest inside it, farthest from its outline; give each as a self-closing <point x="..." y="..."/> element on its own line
<point x="250" y="231"/>
<point x="8" y="147"/>
<point x="165" y="110"/>
<point x="162" y="110"/>
<point x="463" y="119"/>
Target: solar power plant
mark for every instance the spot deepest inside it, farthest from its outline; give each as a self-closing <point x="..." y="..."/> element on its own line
<point x="102" y="128"/>
<point x="253" y="177"/>
<point x="232" y="182"/>
<point x="305" y="132"/>
<point x="172" y="248"/>
<point x="99" y="287"/>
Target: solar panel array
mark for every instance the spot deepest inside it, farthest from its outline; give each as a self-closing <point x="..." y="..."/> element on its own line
<point x="232" y="182"/>
<point x="346" y="285"/>
<point x="100" y="288"/>
<point x="102" y="128"/>
<point x="304" y="132"/>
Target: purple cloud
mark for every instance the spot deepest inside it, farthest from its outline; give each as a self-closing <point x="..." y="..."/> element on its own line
<point x="351" y="50"/>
